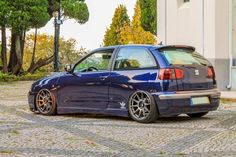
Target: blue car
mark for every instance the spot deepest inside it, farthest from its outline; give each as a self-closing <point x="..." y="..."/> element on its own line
<point x="143" y="82"/>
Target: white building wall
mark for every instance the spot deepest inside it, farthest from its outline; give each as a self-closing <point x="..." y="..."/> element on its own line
<point x="199" y="23"/>
<point x="222" y="42"/>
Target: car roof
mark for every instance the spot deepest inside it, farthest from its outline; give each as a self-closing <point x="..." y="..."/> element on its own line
<point x="159" y="47"/>
<point x="129" y="45"/>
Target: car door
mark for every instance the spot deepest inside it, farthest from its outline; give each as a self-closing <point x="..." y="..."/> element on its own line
<point x="87" y="86"/>
<point x="134" y="69"/>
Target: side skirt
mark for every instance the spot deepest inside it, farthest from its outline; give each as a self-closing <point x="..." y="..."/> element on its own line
<point x="73" y="110"/>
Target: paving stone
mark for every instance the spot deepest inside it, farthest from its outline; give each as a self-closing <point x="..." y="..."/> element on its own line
<point x="23" y="133"/>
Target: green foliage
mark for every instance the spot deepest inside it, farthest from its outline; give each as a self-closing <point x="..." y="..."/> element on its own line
<point x="0" y="54"/>
<point x="149" y="15"/>
<point x="76" y="9"/>
<point x="25" y="77"/>
<point x="23" y="14"/>
<point x="119" y="20"/>
<point x="4" y="11"/>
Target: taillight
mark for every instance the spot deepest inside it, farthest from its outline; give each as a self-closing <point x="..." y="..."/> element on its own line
<point x="179" y="74"/>
<point x="171" y="74"/>
<point x="210" y="72"/>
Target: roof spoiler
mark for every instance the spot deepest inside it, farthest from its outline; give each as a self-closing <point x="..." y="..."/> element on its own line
<point x="174" y="47"/>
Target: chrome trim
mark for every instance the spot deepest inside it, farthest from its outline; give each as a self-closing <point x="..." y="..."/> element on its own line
<point x="215" y="93"/>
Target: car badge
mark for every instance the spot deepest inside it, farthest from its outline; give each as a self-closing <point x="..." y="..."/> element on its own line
<point x="197" y="72"/>
<point x="122" y="105"/>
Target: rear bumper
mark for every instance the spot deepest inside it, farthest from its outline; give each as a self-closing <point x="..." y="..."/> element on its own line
<point x="189" y="94"/>
<point x="173" y="103"/>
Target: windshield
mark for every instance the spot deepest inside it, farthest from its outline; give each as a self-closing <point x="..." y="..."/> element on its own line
<point x="184" y="57"/>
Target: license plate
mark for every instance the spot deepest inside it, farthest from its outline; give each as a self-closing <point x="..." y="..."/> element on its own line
<point x="200" y="100"/>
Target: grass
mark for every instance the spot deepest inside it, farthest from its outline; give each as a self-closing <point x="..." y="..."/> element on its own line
<point x="227" y="101"/>
<point x="181" y="154"/>
<point x="6" y="151"/>
<point x="15" y="132"/>
<point x="26" y="77"/>
<point x="162" y="152"/>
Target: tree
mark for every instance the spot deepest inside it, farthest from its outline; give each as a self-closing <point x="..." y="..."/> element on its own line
<point x="73" y="9"/>
<point x="119" y="20"/>
<point x="76" y="9"/>
<point x="3" y="16"/>
<point x="135" y="33"/>
<point x="149" y="15"/>
<point x="42" y="54"/>
<point x="21" y="15"/>
<point x="24" y="14"/>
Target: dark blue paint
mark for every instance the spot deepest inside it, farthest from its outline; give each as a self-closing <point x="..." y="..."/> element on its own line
<point x="90" y="93"/>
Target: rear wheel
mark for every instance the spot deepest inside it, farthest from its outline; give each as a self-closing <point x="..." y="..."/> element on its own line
<point x="142" y="107"/>
<point x="45" y="102"/>
<point x="197" y="115"/>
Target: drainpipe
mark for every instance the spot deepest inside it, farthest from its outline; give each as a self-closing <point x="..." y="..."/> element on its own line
<point x="203" y="28"/>
<point x="165" y="22"/>
<point x="229" y="86"/>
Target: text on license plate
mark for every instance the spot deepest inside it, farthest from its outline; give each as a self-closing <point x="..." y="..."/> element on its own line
<point x="200" y="100"/>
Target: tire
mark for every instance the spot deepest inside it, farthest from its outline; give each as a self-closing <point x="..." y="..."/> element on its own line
<point x="174" y="115"/>
<point x="197" y="115"/>
<point x="34" y="111"/>
<point x="45" y="102"/>
<point x="142" y="107"/>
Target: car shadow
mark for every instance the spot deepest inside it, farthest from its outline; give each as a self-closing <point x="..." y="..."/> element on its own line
<point x="177" y="119"/>
<point x="96" y="116"/>
<point x="180" y="119"/>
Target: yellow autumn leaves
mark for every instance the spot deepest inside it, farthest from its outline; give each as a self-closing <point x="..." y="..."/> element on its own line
<point x="121" y="31"/>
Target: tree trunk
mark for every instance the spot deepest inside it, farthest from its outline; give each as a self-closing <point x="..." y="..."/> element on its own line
<point x="16" y="52"/>
<point x="22" y="44"/>
<point x="4" y="50"/>
<point x="40" y="63"/>
<point x="34" y="49"/>
<point x="19" y="57"/>
<point x="13" y="59"/>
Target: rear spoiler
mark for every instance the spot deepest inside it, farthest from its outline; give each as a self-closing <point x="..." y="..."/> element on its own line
<point x="174" y="47"/>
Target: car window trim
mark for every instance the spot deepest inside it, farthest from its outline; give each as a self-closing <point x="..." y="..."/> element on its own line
<point x="147" y="68"/>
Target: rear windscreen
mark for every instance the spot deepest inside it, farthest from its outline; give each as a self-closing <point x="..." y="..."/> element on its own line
<point x="184" y="57"/>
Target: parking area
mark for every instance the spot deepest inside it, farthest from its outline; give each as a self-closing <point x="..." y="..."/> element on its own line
<point x="23" y="133"/>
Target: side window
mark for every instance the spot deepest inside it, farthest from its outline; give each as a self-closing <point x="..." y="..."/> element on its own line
<point x="95" y="62"/>
<point x="134" y="58"/>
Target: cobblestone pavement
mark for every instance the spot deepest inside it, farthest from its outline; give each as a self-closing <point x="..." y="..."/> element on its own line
<point x="23" y="133"/>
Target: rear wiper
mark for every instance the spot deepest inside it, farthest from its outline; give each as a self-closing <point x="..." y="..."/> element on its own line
<point x="203" y="64"/>
<point x="200" y="63"/>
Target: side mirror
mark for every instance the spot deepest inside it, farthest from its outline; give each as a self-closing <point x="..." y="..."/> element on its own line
<point x="68" y="68"/>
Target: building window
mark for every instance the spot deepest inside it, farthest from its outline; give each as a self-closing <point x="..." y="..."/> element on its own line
<point x="182" y="3"/>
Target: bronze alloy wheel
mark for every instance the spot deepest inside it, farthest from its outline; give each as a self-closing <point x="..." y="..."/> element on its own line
<point x="45" y="102"/>
<point x="142" y="107"/>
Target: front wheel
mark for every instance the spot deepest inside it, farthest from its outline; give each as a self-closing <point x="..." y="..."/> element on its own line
<point x="142" y="107"/>
<point x="46" y="102"/>
<point x="197" y="115"/>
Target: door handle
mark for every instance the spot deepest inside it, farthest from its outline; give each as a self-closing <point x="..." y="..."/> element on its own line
<point x="103" y="78"/>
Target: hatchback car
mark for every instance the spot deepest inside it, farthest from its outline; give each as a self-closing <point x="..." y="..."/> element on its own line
<point x="139" y="81"/>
